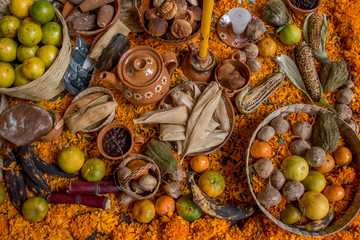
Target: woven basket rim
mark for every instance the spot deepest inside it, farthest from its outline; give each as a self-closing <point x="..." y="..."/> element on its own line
<point x="352" y="208"/>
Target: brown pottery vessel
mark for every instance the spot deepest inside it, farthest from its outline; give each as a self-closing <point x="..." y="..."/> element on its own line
<point x="143" y="74"/>
<point x="299" y="11"/>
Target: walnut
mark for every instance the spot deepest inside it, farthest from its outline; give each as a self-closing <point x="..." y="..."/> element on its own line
<point x="181" y="4"/>
<point x="157" y="3"/>
<point x="157" y="27"/>
<point x="181" y="29"/>
<point x="184" y="15"/>
<point x="193" y="2"/>
<point x="168" y="10"/>
<point x="150" y="13"/>
<point x="197" y="11"/>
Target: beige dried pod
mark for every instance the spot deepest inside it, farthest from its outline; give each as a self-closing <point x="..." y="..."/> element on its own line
<point x="167" y="10"/>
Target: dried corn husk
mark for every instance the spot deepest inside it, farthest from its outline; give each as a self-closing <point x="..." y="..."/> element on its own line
<point x="3" y="106"/>
<point x="201" y="115"/>
<point x="181" y="98"/>
<point x="172" y="132"/>
<point x="221" y="116"/>
<point x="82" y="102"/>
<point x="288" y="66"/>
<point x="209" y="141"/>
<point x="75" y="110"/>
<point x="319" y="53"/>
<point x="175" y="115"/>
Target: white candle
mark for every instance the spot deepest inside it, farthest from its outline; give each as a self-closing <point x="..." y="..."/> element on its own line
<point x="239" y="18"/>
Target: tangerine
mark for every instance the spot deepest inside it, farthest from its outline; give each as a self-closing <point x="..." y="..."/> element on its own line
<point x="334" y="193"/>
<point x="93" y="170"/>
<point x="144" y="211"/>
<point x="212" y="183"/>
<point x="187" y="209"/>
<point x="267" y="47"/>
<point x="29" y="34"/>
<point x="47" y="54"/>
<point x="199" y="163"/>
<point x="24" y="52"/>
<point x="20" y="78"/>
<point x="343" y="156"/>
<point x="328" y="164"/>
<point x="9" y="26"/>
<point x="52" y="34"/>
<point x="20" y="8"/>
<point x="35" y="209"/>
<point x="136" y="164"/>
<point x="164" y="204"/>
<point x="42" y="11"/>
<point x="7" y="75"/>
<point x="33" y="68"/>
<point x="71" y="159"/>
<point x="8" y="47"/>
<point x="260" y="149"/>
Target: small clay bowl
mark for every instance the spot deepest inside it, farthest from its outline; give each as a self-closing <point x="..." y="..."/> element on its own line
<point x="68" y="7"/>
<point x="299" y="11"/>
<point x="135" y="141"/>
<point x="243" y="69"/>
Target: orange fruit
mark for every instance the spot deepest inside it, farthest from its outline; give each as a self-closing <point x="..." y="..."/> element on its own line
<point x="328" y="164"/>
<point x="9" y="26"/>
<point x="20" y="79"/>
<point x="42" y="11"/>
<point x="33" y="68"/>
<point x="212" y="183"/>
<point x="261" y="149"/>
<point x="334" y="193"/>
<point x="144" y="211"/>
<point x="20" y="8"/>
<point x="93" y="170"/>
<point x="164" y="204"/>
<point x="267" y="47"/>
<point x="8" y="47"/>
<point x="35" y="209"/>
<point x="47" y="54"/>
<point x="29" y="34"/>
<point x="23" y="52"/>
<point x="343" y="156"/>
<point x="187" y="209"/>
<point x="199" y="163"/>
<point x="29" y="19"/>
<point x="136" y="164"/>
<point x="71" y="159"/>
<point x="7" y="75"/>
<point x="52" y="34"/>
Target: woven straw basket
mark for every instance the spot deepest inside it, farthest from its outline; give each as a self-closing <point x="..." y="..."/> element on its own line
<point x="49" y="84"/>
<point x="352" y="141"/>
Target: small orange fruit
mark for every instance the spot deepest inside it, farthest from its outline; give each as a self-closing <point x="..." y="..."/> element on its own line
<point x="261" y="149"/>
<point x="199" y="163"/>
<point x="328" y="164"/>
<point x="136" y="164"/>
<point x="212" y="183"/>
<point x="267" y="47"/>
<point x="342" y="156"/>
<point x="144" y="211"/>
<point x="334" y="193"/>
<point x="164" y="204"/>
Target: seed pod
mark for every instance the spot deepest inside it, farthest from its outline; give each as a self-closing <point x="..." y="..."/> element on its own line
<point x="306" y="64"/>
<point x="315" y="26"/>
<point x="250" y="99"/>
<point x="276" y="14"/>
<point x="326" y="133"/>
<point x="333" y="75"/>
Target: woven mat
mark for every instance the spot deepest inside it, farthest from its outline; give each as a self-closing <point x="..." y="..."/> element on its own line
<point x="128" y="14"/>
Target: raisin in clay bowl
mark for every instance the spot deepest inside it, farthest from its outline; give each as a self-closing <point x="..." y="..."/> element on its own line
<point x="299" y="11"/>
<point x="116" y="140"/>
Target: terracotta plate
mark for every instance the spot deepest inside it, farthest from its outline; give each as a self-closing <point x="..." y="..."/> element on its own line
<point x="226" y="34"/>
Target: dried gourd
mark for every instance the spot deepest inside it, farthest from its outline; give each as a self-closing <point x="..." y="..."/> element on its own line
<point x="326" y="133"/>
<point x="333" y="75"/>
<point x="161" y="154"/>
<point x="276" y="14"/>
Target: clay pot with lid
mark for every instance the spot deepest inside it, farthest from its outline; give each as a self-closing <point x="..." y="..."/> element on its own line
<point x="143" y="74"/>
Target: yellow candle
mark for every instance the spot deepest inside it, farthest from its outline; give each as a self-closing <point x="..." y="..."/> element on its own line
<point x="205" y="27"/>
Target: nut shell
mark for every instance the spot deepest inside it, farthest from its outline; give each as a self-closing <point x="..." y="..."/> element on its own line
<point x="197" y="11"/>
<point x="184" y="15"/>
<point x="181" y="29"/>
<point x="181" y="4"/>
<point x="167" y="10"/>
<point x="157" y="27"/>
<point x="151" y="13"/>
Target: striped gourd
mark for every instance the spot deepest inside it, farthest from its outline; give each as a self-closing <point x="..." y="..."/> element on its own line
<point x="251" y="98"/>
<point x="305" y="61"/>
<point x="315" y="26"/>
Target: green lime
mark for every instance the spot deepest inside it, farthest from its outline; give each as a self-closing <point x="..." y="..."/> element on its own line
<point x="315" y="181"/>
<point x="29" y="34"/>
<point x="47" y="54"/>
<point x="187" y="209"/>
<point x="9" y="26"/>
<point x="290" y="35"/>
<point x="7" y="75"/>
<point x="52" y="34"/>
<point x="35" y="209"/>
<point x="93" y="170"/>
<point x="42" y="11"/>
<point x="20" y="78"/>
<point x="290" y="215"/>
<point x="8" y="47"/>
<point x="23" y="52"/>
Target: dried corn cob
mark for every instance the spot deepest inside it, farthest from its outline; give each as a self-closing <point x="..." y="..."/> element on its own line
<point x="305" y="61"/>
<point x="315" y="26"/>
<point x="250" y="99"/>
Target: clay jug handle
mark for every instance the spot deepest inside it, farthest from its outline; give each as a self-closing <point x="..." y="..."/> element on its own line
<point x="229" y="93"/>
<point x="170" y="61"/>
<point x="112" y="79"/>
<point x="138" y="141"/>
<point x="238" y="56"/>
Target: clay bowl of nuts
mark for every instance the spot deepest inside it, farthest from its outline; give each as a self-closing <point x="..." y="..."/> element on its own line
<point x="300" y="7"/>
<point x="90" y="17"/>
<point x="172" y="22"/>
<point x="233" y="74"/>
<point x="138" y="176"/>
